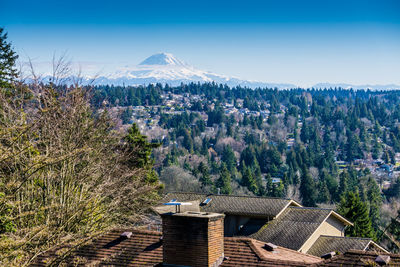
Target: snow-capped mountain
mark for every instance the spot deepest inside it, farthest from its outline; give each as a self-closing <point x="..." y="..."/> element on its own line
<point x="165" y="68"/>
<point x="163" y="59"/>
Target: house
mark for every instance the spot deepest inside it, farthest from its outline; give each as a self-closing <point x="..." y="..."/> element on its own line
<point x="283" y="222"/>
<point x="188" y="239"/>
<point x="244" y="215"/>
<point x="196" y="239"/>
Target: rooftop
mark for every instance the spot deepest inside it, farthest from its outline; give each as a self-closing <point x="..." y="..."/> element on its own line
<point x="294" y="226"/>
<point x="144" y="248"/>
<point x="237" y="205"/>
<point x="338" y="244"/>
<point x="359" y="258"/>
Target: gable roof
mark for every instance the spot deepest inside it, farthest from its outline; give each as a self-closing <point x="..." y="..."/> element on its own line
<point x="144" y="248"/>
<point x="359" y="258"/>
<point x="294" y="226"/>
<point x="237" y="205"/>
<point x="326" y="244"/>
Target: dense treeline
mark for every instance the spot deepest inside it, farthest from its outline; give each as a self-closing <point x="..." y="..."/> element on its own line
<point x="309" y="144"/>
<point x="126" y="96"/>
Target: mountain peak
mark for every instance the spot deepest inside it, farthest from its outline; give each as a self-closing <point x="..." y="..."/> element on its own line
<point x="162" y="59"/>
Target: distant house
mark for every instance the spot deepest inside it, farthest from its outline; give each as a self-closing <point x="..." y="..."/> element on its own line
<point x="341" y="164"/>
<point x="276" y="180"/>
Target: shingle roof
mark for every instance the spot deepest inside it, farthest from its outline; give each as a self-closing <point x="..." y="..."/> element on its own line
<point x="326" y="244"/>
<point x="144" y="248"/>
<point x="359" y="258"/>
<point x="238" y="205"/>
<point x="293" y="227"/>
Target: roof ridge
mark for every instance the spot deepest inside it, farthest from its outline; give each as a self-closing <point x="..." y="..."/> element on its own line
<point x="202" y="195"/>
<point x="225" y="195"/>
<point x="310" y="208"/>
<point x="135" y="230"/>
<point x="348" y="237"/>
<point x="238" y="238"/>
<point x="357" y="251"/>
<point x="258" y="251"/>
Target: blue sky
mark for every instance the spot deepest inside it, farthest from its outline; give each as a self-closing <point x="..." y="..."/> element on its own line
<point x="300" y="42"/>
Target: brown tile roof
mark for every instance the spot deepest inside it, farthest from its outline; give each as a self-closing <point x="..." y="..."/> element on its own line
<point x="359" y="258"/>
<point x="326" y="244"/>
<point x="238" y="205"/>
<point x="144" y="248"/>
<point x="293" y="227"/>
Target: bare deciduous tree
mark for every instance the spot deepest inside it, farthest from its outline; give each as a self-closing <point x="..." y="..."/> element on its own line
<point x="65" y="173"/>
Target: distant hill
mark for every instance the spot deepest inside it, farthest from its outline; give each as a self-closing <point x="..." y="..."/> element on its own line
<point x="357" y="87"/>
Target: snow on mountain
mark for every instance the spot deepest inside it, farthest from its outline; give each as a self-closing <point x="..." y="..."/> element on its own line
<point x="165" y="68"/>
<point x="162" y="59"/>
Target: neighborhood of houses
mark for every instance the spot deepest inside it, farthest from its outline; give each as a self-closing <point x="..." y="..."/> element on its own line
<point x="384" y="172"/>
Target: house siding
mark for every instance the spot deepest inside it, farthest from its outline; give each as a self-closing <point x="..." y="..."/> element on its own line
<point x="331" y="226"/>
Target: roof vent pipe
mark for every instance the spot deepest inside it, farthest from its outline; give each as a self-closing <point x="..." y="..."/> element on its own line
<point x="328" y="255"/>
<point x="126" y="235"/>
<point x="270" y="246"/>
<point x="382" y="259"/>
<point x="177" y="205"/>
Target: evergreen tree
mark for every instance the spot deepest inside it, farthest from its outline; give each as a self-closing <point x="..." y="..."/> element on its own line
<point x="353" y="209"/>
<point x="344" y="178"/>
<point x="375" y="201"/>
<point x="394" y="227"/>
<point x="308" y="191"/>
<point x="8" y="72"/>
<point x="248" y="156"/>
<point x="224" y="180"/>
<point x="142" y="156"/>
<point x="249" y="181"/>
<point x="278" y="190"/>
<point x="258" y="178"/>
<point x="205" y="175"/>
<point x="187" y="141"/>
<point x="269" y="187"/>
<point x="323" y="192"/>
<point x="270" y="160"/>
<point x="353" y="147"/>
<point x="376" y="148"/>
<point x="385" y="157"/>
<point x="394" y="189"/>
<point x="331" y="183"/>
<point x="228" y="157"/>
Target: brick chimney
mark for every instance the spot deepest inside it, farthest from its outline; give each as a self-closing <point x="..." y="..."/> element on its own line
<point x="193" y="239"/>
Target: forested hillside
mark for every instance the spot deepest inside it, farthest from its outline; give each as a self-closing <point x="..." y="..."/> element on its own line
<point x="315" y="146"/>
